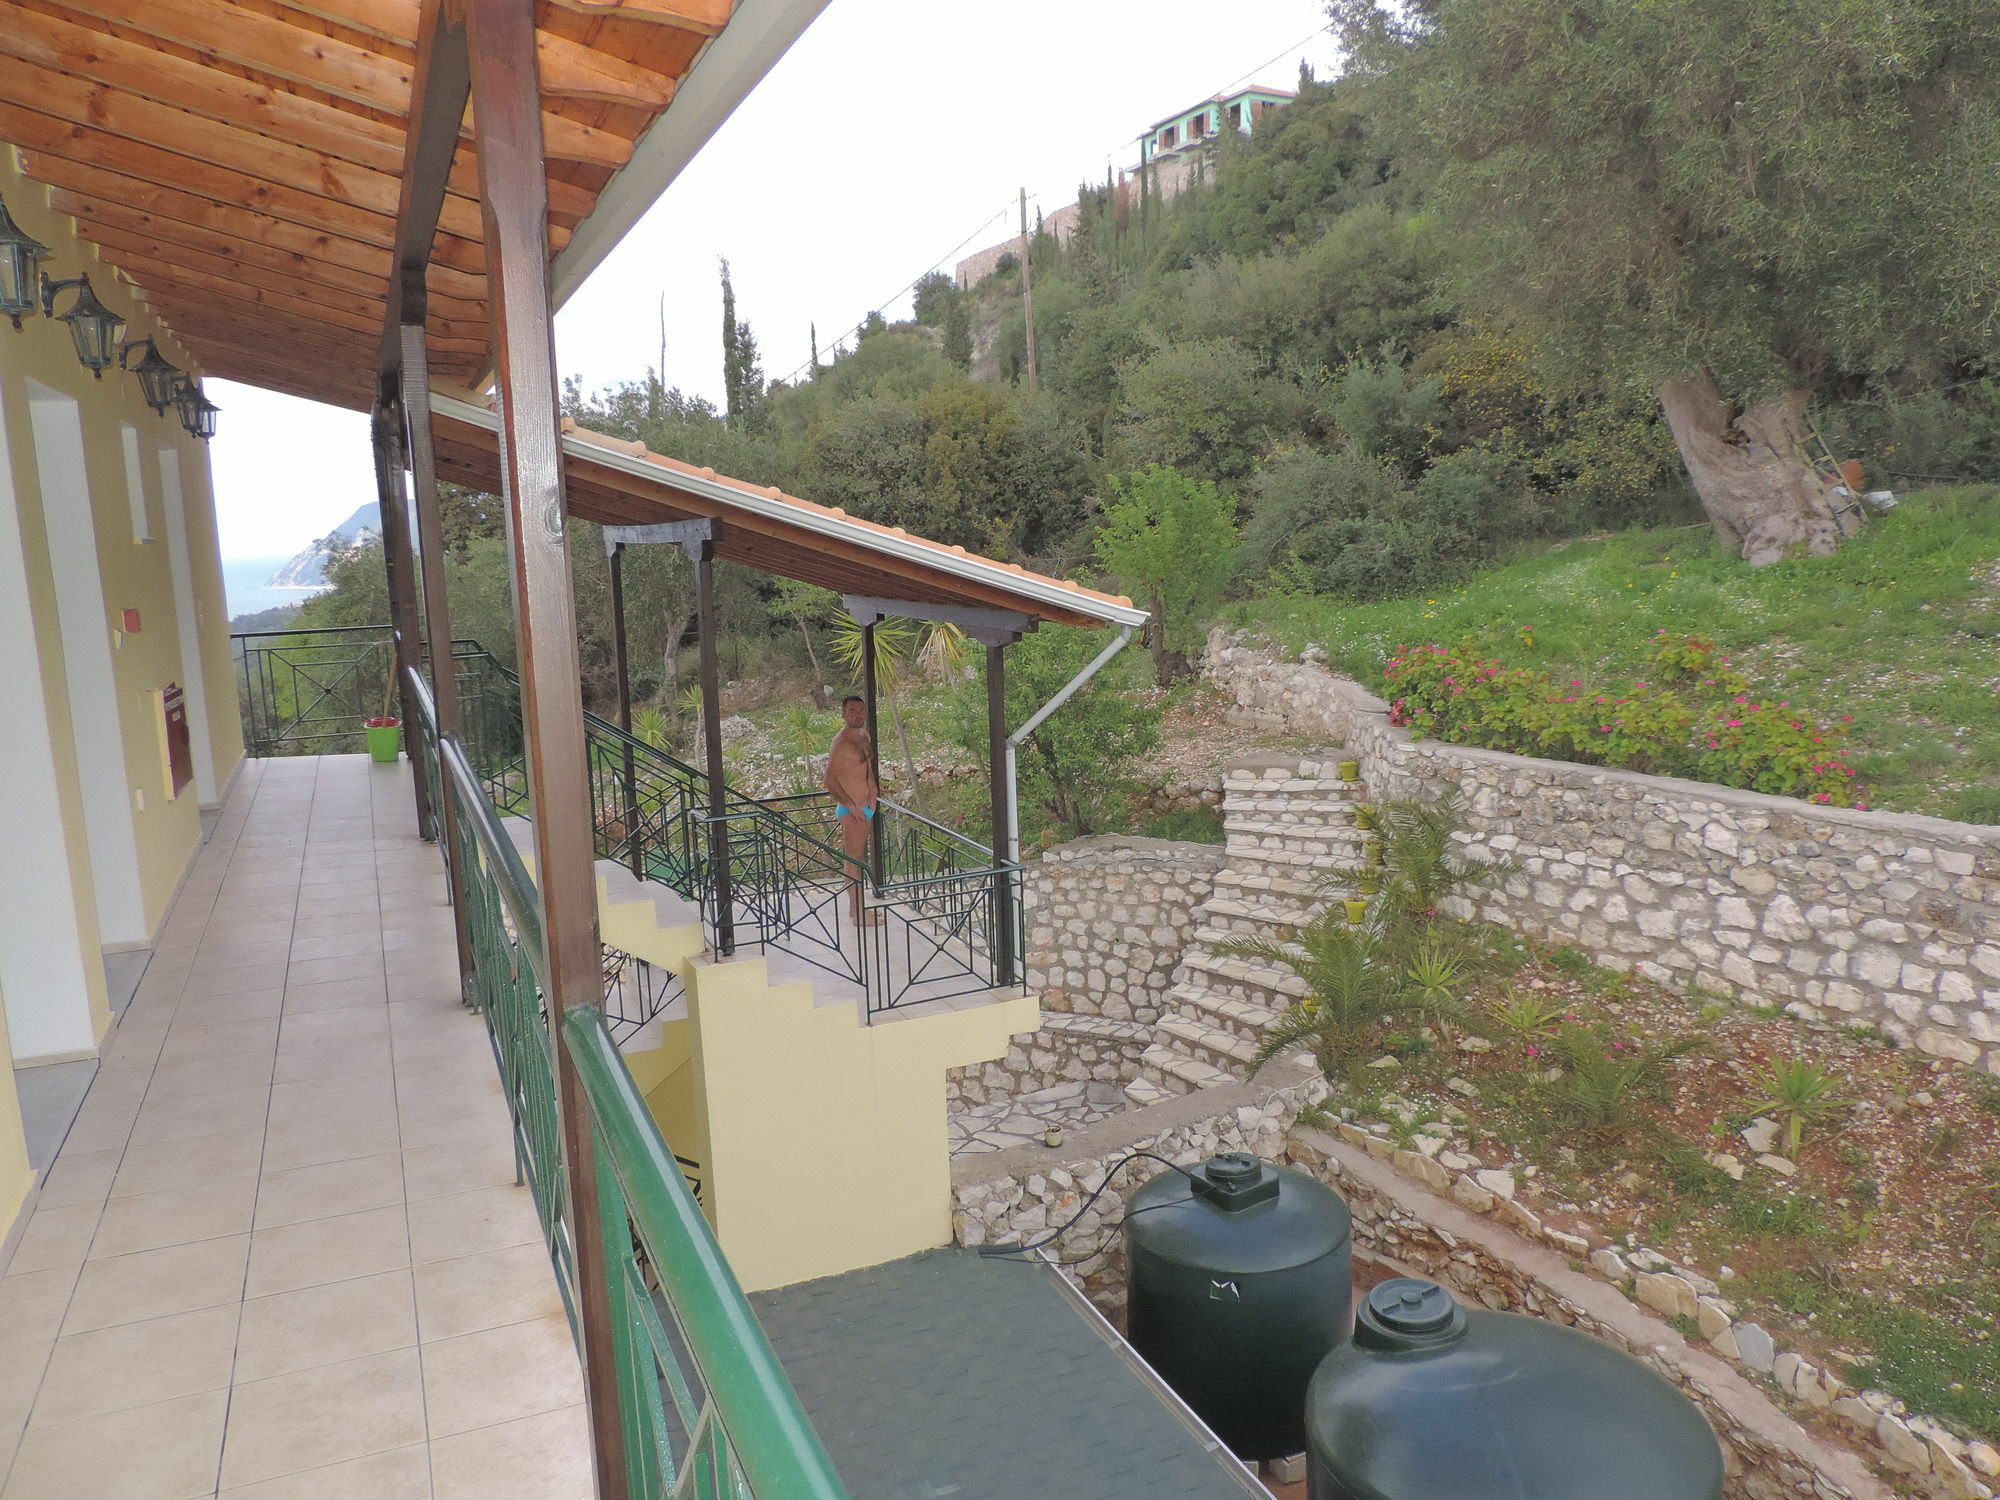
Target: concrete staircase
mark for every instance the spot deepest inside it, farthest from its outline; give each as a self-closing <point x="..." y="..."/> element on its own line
<point x="1287" y="821"/>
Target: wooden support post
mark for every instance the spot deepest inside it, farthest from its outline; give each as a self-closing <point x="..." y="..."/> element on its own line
<point x="996" y="775"/>
<point x="703" y="553"/>
<point x="507" y="122"/>
<point x="393" y="503"/>
<point x="868" y="689"/>
<point x="635" y="853"/>
<point x="416" y="378"/>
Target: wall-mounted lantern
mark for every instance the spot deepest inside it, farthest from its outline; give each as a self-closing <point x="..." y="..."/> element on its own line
<point x="197" y="411"/>
<point x="93" y="327"/>
<point x="19" y="251"/>
<point x="159" y="379"/>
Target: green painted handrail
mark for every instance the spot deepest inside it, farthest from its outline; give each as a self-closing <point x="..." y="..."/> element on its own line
<point x="780" y="1454"/>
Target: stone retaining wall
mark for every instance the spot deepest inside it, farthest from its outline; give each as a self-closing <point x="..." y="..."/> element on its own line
<point x="1884" y="918"/>
<point x="1067" y="1049"/>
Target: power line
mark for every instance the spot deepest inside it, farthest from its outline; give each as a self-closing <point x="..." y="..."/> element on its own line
<point x="891" y="300"/>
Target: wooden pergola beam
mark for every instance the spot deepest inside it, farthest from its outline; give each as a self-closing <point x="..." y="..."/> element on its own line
<point x="276" y="270"/>
<point x="378" y="79"/>
<point x="703" y="17"/>
<point x="440" y="91"/>
<point x="243" y="232"/>
<point x="208" y="202"/>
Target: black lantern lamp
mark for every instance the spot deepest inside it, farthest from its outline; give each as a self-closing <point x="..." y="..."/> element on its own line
<point x="19" y="251"/>
<point x="197" y="411"/>
<point x="159" y="380"/>
<point x="93" y="327"/>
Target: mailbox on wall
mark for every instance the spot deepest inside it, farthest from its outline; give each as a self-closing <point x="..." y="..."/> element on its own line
<point x="176" y="747"/>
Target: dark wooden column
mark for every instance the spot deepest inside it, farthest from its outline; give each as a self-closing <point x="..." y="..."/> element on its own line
<point x="703" y="553"/>
<point x="996" y="775"/>
<point x="634" y="850"/>
<point x="416" y="377"/>
<point x="506" y="99"/>
<point x="868" y="691"/>
<point x="393" y="503"/>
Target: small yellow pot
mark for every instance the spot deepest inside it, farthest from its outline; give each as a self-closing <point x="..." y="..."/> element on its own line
<point x="1357" y="912"/>
<point x="1350" y="770"/>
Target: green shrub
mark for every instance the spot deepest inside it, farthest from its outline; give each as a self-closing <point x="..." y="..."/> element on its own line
<point x="1188" y="825"/>
<point x="1694" y="717"/>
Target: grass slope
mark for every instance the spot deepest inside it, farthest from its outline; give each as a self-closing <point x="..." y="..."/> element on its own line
<point x="1901" y="629"/>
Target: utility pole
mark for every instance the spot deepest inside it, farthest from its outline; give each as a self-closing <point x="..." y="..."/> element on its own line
<point x="1028" y="287"/>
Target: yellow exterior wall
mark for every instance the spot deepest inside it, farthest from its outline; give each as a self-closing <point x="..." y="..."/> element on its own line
<point x="135" y="574"/>
<point x="827" y="1145"/>
<point x="15" y="1176"/>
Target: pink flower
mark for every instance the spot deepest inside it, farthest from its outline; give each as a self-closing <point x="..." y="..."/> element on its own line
<point x="1534" y="1052"/>
<point x="1735" y="723"/>
<point x="1576" y="684"/>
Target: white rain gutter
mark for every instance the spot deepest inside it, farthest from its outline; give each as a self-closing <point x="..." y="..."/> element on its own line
<point x="1014" y="739"/>
<point x="757" y="502"/>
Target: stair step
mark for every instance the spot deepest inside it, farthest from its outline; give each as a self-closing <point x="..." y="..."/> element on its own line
<point x="1248" y="882"/>
<point x="1254" y="918"/>
<point x="1175" y="1070"/>
<point x="1230" y="974"/>
<point x="1209" y="1044"/>
<point x="1305" y="864"/>
<point x="1224" y="1011"/>
<point x="1142" y="1091"/>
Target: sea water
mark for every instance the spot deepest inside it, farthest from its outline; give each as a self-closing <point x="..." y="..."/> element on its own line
<point x="245" y="580"/>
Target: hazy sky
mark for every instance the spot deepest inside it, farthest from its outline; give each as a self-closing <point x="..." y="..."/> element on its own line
<point x="891" y="133"/>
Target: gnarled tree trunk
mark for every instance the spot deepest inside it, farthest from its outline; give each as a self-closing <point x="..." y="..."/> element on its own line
<point x="1750" y="469"/>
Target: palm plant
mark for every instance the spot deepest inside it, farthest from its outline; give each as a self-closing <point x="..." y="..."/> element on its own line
<point x="1358" y="989"/>
<point x="802" y="728"/>
<point x="651" y="726"/>
<point x="1601" y="1084"/>
<point x="1799" y="1093"/>
<point x="1424" y="862"/>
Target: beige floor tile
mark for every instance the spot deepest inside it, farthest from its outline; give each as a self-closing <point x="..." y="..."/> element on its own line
<point x="348" y="922"/>
<point x="324" y="1325"/>
<point x="21" y="1369"/>
<point x="195" y="1115"/>
<point x="215" y="1074"/>
<point x="330" y="1189"/>
<point x="78" y="1177"/>
<point x="472" y="1293"/>
<point x="54" y="1237"/>
<point x="437" y="1116"/>
<point x="197" y="1009"/>
<point x="299" y="1060"/>
<point x="343" y="1095"/>
<point x="330" y="878"/>
<point x="306" y="971"/>
<point x="135" y="1364"/>
<point x="396" y="1474"/>
<point x="158" y="1283"/>
<point x="334" y="994"/>
<point x="469" y="1223"/>
<point x="323" y="1250"/>
<point x="344" y="1024"/>
<point x="267" y="975"/>
<point x="538" y="1458"/>
<point x="458" y="1167"/>
<point x="214" y="957"/>
<point x="500" y="1375"/>
<point x="337" y="945"/>
<point x="307" y="1142"/>
<point x="428" y="986"/>
<point x="165" y="1451"/>
<point x="326" y="1415"/>
<point x="178" y="1216"/>
<point x="160" y="1166"/>
<point x="259" y="1034"/>
<point x="132" y="1045"/>
<point x="102" y="1124"/>
<point x="360" y="903"/>
<point x="31" y="1306"/>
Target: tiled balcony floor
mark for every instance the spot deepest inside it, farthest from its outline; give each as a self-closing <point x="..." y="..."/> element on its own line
<point x="281" y="1255"/>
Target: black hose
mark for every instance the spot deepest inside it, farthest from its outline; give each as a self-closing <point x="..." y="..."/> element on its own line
<point x="1020" y="1252"/>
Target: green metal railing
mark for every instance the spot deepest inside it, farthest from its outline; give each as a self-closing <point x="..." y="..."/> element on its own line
<point x="705" y="1408"/>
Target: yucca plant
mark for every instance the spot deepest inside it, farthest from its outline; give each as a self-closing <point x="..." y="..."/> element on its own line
<point x="1602" y="1084"/>
<point x="1800" y="1093"/>
<point x="1529" y="1014"/>
<point x="651" y="726"/>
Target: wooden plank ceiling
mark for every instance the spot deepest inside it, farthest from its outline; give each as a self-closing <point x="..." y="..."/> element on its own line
<point x="240" y="161"/>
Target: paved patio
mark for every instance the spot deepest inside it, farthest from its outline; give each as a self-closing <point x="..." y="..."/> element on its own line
<point x="281" y="1254"/>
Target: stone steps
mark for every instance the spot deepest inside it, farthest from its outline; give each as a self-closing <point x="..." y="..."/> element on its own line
<point x="1210" y="1044"/>
<point x="1247" y="1019"/>
<point x="1174" y="1072"/>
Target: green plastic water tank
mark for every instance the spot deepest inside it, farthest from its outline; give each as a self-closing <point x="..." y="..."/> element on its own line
<point x="1239" y="1281"/>
<point x="1433" y="1401"/>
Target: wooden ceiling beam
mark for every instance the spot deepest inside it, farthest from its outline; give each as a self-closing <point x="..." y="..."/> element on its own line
<point x="97" y="113"/>
<point x="378" y="79"/>
<point x="232" y="231"/>
<point x="440" y="90"/>
<point x="213" y="197"/>
<point x="255" y="304"/>
<point x="703" y="17"/>
<point x="260" y="265"/>
<point x="336" y="309"/>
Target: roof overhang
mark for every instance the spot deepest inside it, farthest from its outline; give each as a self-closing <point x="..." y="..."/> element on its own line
<point x="615" y="483"/>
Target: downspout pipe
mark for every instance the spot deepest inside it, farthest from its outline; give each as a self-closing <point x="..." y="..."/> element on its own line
<point x="1069" y="691"/>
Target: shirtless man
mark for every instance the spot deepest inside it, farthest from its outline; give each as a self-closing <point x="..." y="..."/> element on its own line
<point x="850" y="780"/>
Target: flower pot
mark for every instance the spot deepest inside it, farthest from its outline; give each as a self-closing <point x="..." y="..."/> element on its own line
<point x="1357" y="912"/>
<point x="1852" y="474"/>
<point x="1372" y="852"/>
<point x="1364" y="818"/>
<point x="1369" y="881"/>
<point x="385" y="739"/>
<point x="1350" y="770"/>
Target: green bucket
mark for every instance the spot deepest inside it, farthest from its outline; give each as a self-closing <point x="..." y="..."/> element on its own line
<point x="385" y="742"/>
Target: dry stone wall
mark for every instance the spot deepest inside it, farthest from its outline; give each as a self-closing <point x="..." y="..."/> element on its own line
<point x="1884" y="918"/>
<point x="1107" y="920"/>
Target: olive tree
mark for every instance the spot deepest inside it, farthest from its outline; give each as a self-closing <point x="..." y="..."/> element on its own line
<point x="1731" y="200"/>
